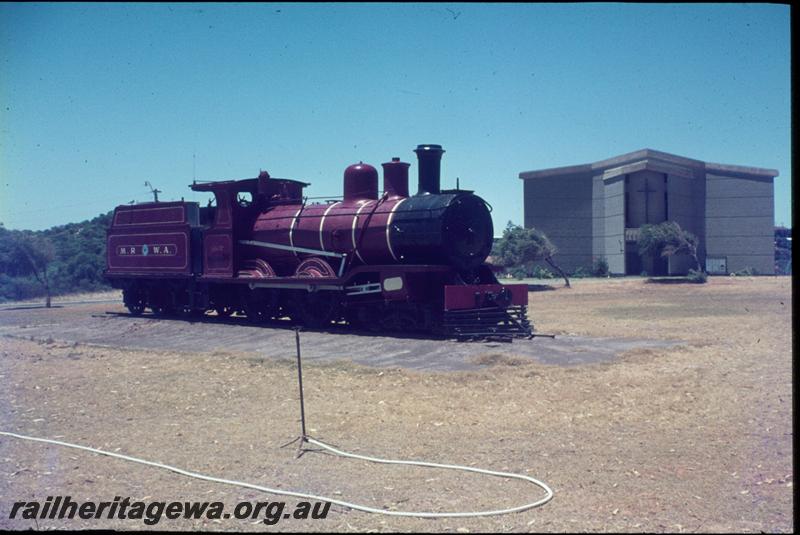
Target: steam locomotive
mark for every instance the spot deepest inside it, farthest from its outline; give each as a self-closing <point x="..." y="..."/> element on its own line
<point x="388" y="262"/>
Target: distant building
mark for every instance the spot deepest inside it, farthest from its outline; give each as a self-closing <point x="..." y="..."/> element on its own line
<point x="783" y="251"/>
<point x="595" y="210"/>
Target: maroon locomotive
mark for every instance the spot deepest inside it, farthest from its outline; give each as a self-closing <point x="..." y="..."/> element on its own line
<point x="379" y="262"/>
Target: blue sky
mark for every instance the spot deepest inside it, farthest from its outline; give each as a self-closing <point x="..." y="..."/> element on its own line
<point x="98" y="98"/>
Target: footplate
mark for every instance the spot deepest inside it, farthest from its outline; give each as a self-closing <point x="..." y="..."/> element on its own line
<point x="510" y="322"/>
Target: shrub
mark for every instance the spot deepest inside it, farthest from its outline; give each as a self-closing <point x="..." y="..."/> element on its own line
<point x="667" y="239"/>
<point x="696" y="276"/>
<point x="581" y="273"/>
<point x="523" y="246"/>
<point x="600" y="267"/>
<point x="746" y="272"/>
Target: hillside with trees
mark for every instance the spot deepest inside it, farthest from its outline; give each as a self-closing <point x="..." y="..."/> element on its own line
<point x="66" y="259"/>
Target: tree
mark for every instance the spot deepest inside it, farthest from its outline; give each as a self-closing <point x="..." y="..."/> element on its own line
<point x="520" y="246"/>
<point x="79" y="262"/>
<point x="668" y="239"/>
<point x="32" y="254"/>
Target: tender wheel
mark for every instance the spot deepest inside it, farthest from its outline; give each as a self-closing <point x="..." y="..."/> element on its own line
<point x="136" y="309"/>
<point x="134" y="300"/>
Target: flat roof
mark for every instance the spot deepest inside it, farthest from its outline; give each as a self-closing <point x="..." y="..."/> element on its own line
<point x="643" y="158"/>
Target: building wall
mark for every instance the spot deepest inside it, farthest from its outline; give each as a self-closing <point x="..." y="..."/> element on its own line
<point x="598" y="217"/>
<point x="740" y="221"/>
<point x="685" y="206"/>
<point x="561" y="207"/>
<point x="614" y="223"/>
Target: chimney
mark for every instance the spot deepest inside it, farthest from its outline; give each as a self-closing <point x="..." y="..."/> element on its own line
<point x="429" y="159"/>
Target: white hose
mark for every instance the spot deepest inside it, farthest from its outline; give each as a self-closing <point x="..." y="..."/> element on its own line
<point x="357" y="507"/>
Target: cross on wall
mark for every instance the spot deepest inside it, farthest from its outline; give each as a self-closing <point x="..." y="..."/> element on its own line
<point x="647" y="191"/>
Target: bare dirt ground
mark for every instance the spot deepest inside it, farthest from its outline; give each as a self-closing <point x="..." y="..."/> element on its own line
<point x="688" y="437"/>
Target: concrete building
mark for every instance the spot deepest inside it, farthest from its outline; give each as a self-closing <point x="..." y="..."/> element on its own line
<point x="595" y="210"/>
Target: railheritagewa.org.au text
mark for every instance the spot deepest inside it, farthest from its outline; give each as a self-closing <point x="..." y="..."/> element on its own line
<point x="151" y="513"/>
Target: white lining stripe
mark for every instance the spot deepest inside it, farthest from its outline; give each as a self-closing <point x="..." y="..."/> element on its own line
<point x="355" y="224"/>
<point x="389" y="226"/>
<point x="288" y="248"/>
<point x="291" y="229"/>
<point x="322" y="224"/>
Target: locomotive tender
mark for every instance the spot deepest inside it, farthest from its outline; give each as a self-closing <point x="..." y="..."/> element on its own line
<point x="395" y="261"/>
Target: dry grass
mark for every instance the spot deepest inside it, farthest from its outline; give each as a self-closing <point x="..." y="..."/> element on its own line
<point x="499" y="359"/>
<point x="696" y="438"/>
<point x="56" y="299"/>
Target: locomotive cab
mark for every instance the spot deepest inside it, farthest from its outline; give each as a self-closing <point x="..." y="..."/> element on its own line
<point x="238" y="203"/>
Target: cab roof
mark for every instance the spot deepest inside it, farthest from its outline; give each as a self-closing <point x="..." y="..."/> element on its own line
<point x="247" y="184"/>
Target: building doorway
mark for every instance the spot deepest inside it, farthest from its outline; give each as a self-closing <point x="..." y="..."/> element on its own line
<point x="656" y="266"/>
<point x="636" y="265"/>
<point x="633" y="262"/>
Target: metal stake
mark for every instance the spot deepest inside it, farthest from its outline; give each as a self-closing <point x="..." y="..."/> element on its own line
<point x="303" y="438"/>
<point x="300" y="382"/>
